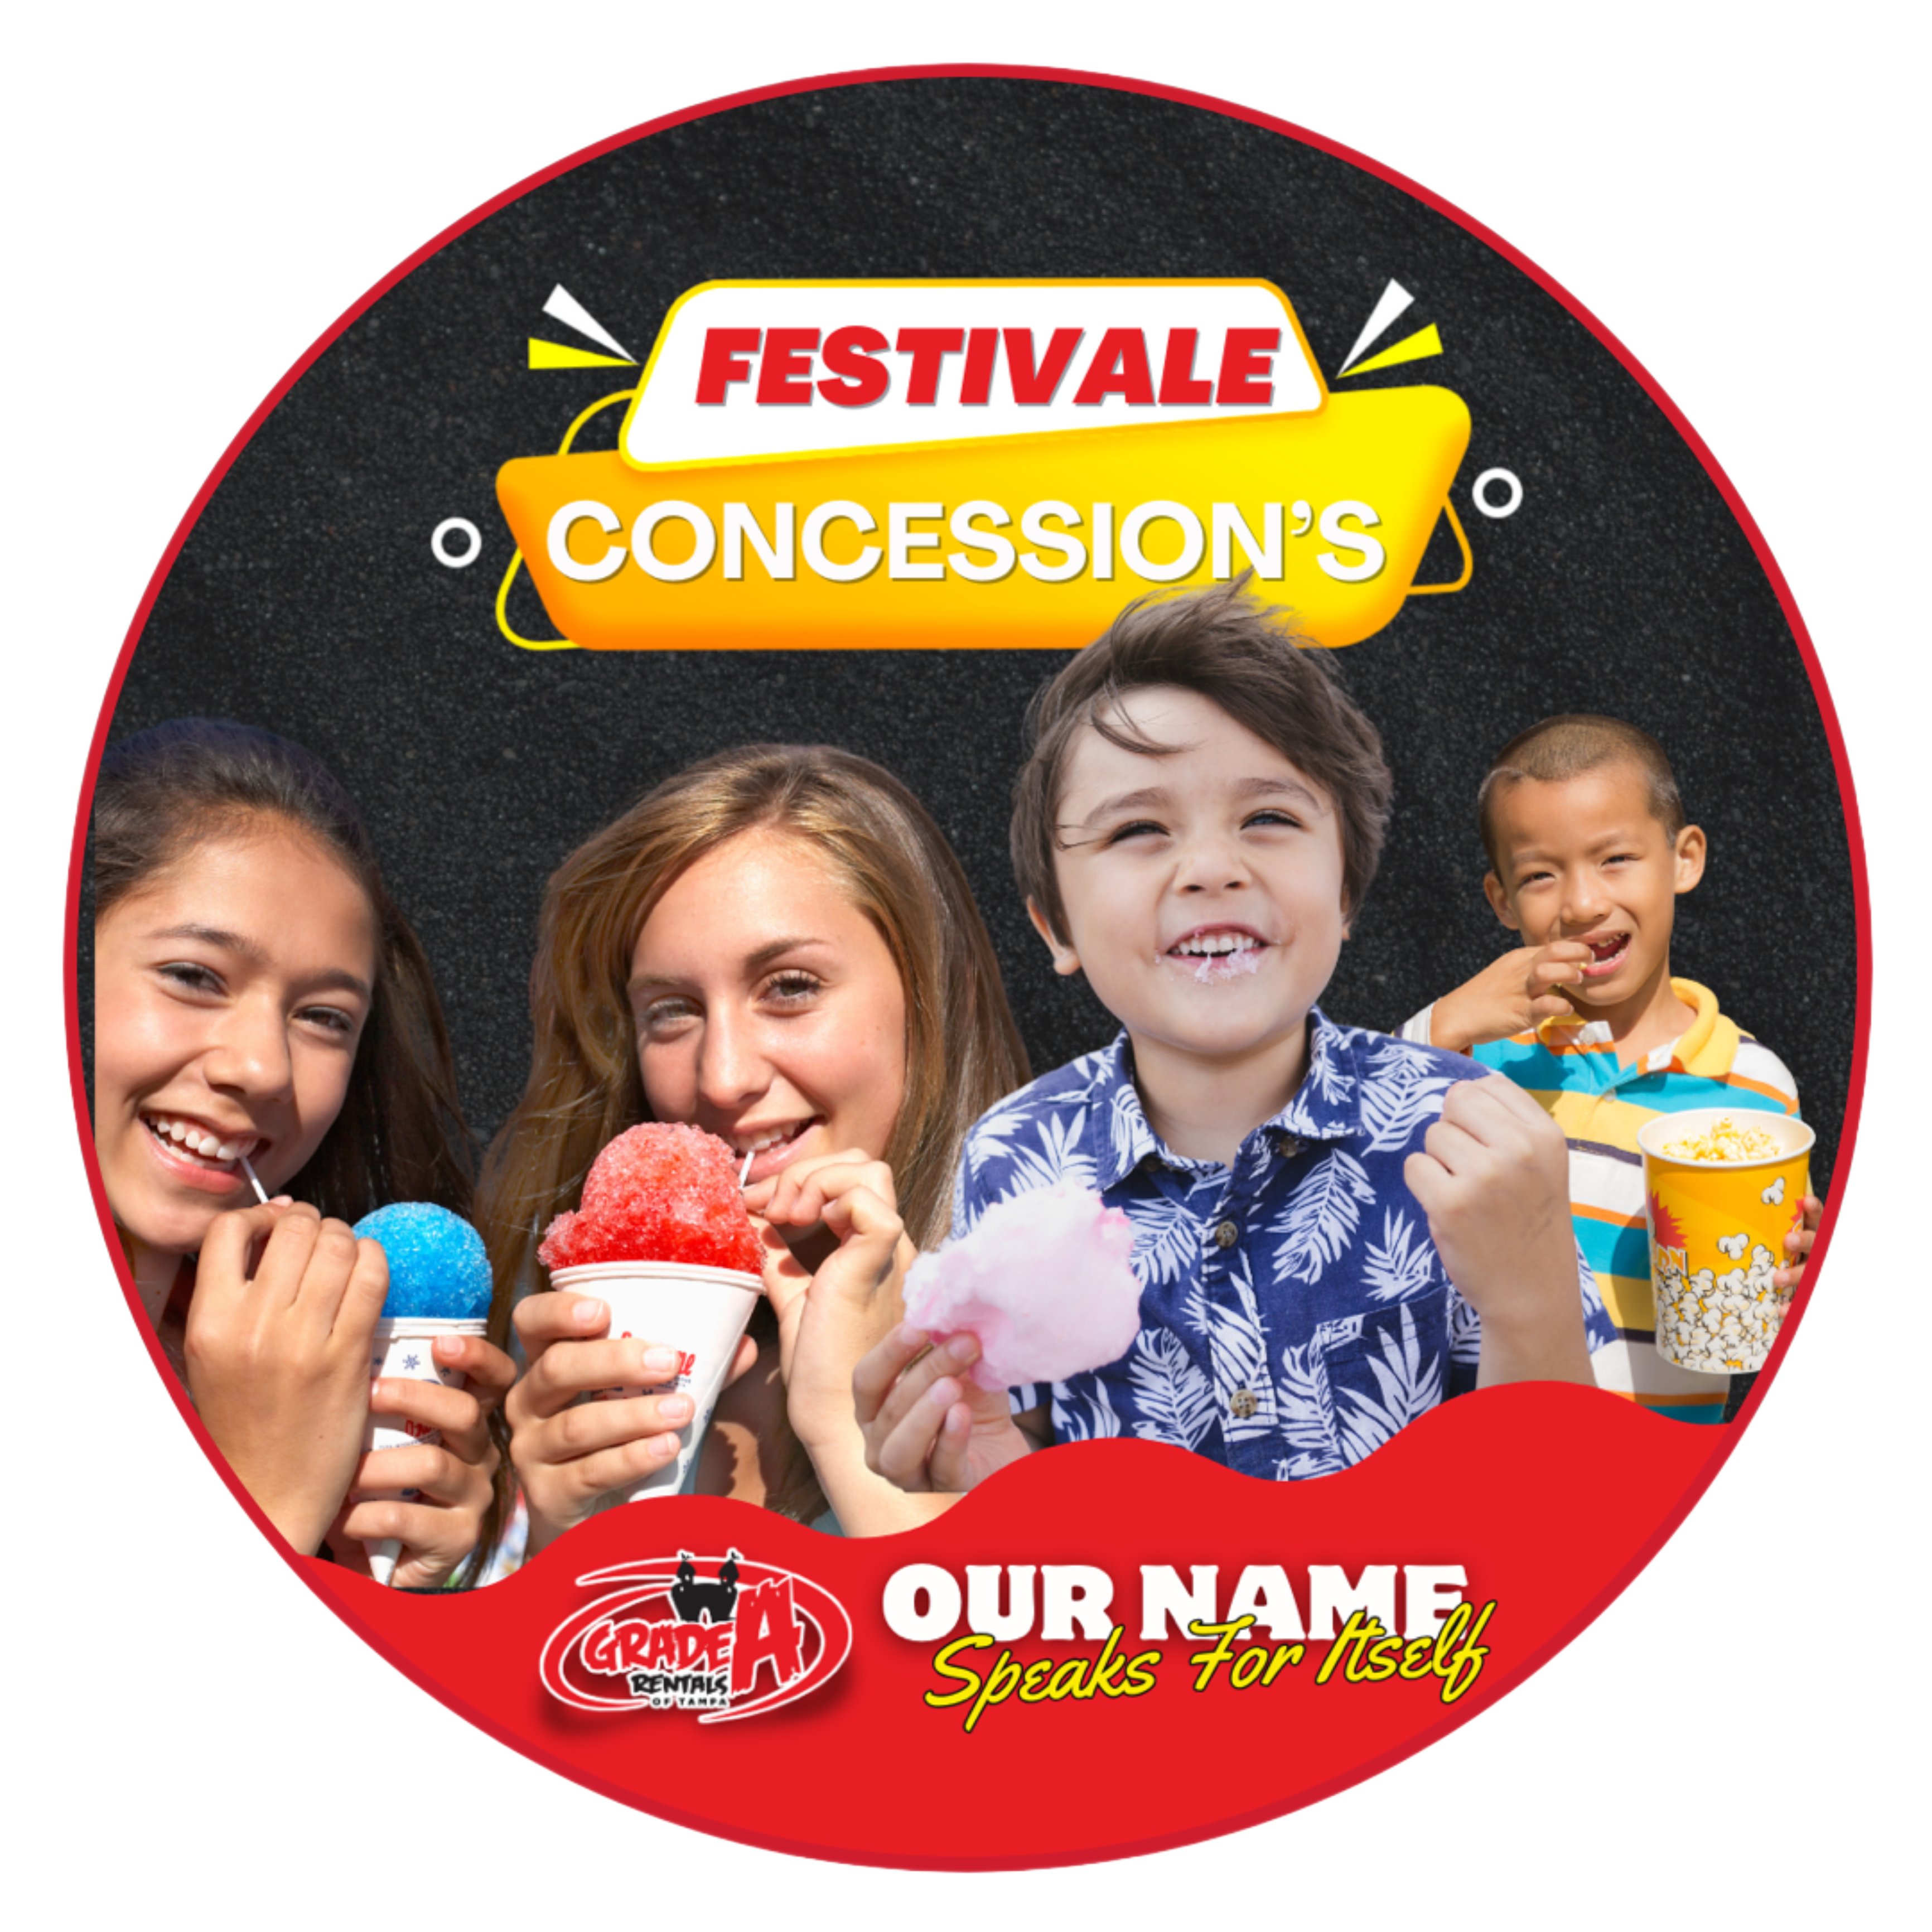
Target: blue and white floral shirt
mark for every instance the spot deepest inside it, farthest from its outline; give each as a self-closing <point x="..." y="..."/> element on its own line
<point x="1294" y="1312"/>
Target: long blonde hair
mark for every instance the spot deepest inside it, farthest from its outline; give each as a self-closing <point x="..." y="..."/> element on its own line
<point x="962" y="1051"/>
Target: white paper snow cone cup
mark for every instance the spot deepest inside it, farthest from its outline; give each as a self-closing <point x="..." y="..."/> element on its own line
<point x="404" y="1349"/>
<point x="699" y="1311"/>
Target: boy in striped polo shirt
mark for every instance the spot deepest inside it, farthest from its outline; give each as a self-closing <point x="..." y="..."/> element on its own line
<point x="1589" y="853"/>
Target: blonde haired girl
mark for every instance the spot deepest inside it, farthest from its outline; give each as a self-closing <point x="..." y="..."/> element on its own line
<point x="777" y="945"/>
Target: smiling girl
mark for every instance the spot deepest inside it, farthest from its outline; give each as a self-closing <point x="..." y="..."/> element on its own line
<point x="778" y="946"/>
<point x="260" y="999"/>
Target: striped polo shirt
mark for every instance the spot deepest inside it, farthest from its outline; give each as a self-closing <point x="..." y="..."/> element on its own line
<point x="1571" y="1066"/>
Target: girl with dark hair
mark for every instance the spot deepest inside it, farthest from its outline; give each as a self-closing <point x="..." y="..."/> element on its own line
<point x="260" y="1003"/>
<point x="778" y="945"/>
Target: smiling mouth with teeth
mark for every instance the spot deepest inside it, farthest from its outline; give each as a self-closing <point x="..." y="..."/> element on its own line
<point x="189" y="1140"/>
<point x="1223" y="955"/>
<point x="770" y="1146"/>
<point x="1606" y="954"/>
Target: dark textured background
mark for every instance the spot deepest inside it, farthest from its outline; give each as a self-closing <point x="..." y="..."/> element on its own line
<point x="306" y="598"/>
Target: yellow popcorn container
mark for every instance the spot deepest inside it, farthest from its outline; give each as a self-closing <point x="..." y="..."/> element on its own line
<point x="1723" y="1187"/>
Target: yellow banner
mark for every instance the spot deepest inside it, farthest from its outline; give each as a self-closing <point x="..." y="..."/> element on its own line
<point x="1029" y="541"/>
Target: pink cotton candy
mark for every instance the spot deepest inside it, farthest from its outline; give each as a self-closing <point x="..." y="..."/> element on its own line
<point x="1043" y="1282"/>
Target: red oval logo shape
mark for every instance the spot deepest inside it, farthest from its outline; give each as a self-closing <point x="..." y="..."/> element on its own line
<point x="715" y="1635"/>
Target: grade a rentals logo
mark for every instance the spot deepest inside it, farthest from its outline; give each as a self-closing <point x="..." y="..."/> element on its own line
<point x="719" y="1635"/>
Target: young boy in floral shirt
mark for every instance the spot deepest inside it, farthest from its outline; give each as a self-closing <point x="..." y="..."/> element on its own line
<point x="1334" y="1231"/>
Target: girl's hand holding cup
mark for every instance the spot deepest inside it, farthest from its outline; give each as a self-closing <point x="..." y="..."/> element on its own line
<point x="569" y="1453"/>
<point x="439" y="1526"/>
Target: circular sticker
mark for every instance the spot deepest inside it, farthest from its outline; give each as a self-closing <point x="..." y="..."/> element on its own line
<point x="665" y="567"/>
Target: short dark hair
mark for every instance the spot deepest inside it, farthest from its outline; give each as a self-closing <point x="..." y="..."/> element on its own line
<point x="1566" y="747"/>
<point x="1238" y="654"/>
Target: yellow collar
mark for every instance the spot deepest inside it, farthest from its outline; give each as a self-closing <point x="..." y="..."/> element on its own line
<point x="1709" y="1045"/>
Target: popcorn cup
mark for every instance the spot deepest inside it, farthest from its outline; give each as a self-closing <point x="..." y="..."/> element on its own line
<point x="403" y="1349"/>
<point x="1716" y="1233"/>
<point x="699" y="1311"/>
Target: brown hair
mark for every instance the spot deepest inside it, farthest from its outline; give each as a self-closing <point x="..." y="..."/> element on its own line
<point x="1241" y="656"/>
<point x="962" y="1051"/>
<point x="1566" y="747"/>
<point x="400" y="1134"/>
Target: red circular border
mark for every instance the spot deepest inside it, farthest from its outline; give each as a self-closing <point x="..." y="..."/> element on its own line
<point x="1722" y="1452"/>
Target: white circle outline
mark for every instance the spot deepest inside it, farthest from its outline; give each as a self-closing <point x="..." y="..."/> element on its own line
<point x="448" y="527"/>
<point x="1508" y="476"/>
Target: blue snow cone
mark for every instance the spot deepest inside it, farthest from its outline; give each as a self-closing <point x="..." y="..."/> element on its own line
<point x="437" y="1266"/>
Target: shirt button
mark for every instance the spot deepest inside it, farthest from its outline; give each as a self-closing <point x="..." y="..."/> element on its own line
<point x="1226" y="1235"/>
<point x="1242" y="1403"/>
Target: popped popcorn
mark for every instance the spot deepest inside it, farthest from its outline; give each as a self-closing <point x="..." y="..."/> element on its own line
<point x="1726" y="1143"/>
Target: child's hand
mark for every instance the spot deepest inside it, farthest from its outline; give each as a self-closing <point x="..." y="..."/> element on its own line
<point x="1494" y="1183"/>
<point x="276" y="1350"/>
<point x="828" y="1319"/>
<point x="1798" y="1247"/>
<point x="928" y="1424"/>
<point x="439" y="1527"/>
<point x="1508" y="996"/>
<point x="569" y="1455"/>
